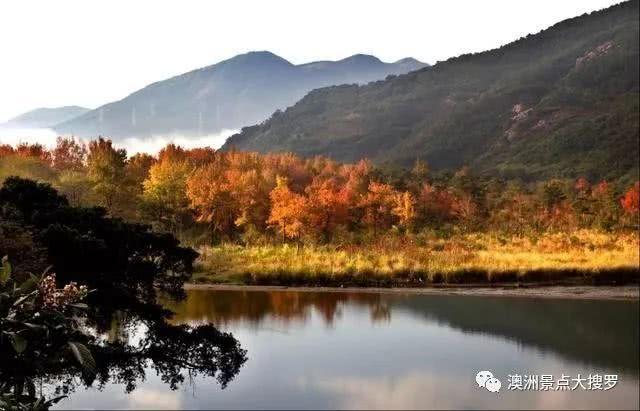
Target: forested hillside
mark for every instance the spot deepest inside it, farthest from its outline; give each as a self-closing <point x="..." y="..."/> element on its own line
<point x="560" y="103"/>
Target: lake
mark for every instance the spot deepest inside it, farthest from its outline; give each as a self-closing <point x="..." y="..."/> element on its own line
<point x="370" y="350"/>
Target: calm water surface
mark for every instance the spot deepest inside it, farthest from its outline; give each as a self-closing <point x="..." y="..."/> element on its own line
<point x="364" y="350"/>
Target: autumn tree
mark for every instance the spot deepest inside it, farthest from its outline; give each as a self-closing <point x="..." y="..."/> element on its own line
<point x="106" y="169"/>
<point x="287" y="211"/>
<point x="172" y="152"/>
<point x="201" y="155"/>
<point x="250" y="190"/>
<point x="465" y="210"/>
<point x="630" y="201"/>
<point x="34" y="151"/>
<point x="6" y="150"/>
<point x="164" y="193"/>
<point x="356" y="179"/>
<point x="68" y="154"/>
<point x="327" y="206"/>
<point x="606" y="207"/>
<point x="137" y="170"/>
<point x="378" y="204"/>
<point x="434" y="205"/>
<point x="405" y="209"/>
<point x="210" y="195"/>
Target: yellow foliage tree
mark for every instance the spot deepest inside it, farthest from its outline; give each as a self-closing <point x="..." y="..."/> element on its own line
<point x="164" y="192"/>
<point x="405" y="209"/>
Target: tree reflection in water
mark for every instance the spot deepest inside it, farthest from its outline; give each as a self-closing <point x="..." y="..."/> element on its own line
<point x="124" y="355"/>
<point x="225" y="307"/>
<point x="603" y="333"/>
<point x="174" y="352"/>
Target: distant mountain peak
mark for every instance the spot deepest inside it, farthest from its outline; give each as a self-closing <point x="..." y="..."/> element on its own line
<point x="45" y="117"/>
<point x="408" y="60"/>
<point x="234" y="93"/>
<point x="259" y="57"/>
<point x="361" y="59"/>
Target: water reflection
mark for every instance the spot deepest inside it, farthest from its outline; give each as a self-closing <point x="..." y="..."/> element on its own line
<point x="227" y="307"/>
<point x="173" y="352"/>
<point x="604" y="333"/>
<point x="311" y="350"/>
<point x="130" y="351"/>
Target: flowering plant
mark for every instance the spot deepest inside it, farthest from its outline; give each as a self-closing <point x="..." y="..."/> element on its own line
<point x="39" y="327"/>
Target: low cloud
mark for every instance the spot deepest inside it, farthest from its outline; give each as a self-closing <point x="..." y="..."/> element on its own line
<point x="47" y="137"/>
<point x="152" y="145"/>
<point x="14" y="136"/>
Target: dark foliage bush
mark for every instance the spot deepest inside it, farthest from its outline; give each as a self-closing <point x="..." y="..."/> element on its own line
<point x="126" y="262"/>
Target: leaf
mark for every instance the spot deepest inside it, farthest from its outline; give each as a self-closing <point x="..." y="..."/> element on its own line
<point x="18" y="342"/>
<point x="21" y="300"/>
<point x="82" y="354"/>
<point x="29" y="285"/>
<point x="55" y="400"/>
<point x="6" y="270"/>
<point x="35" y="327"/>
<point x="80" y="306"/>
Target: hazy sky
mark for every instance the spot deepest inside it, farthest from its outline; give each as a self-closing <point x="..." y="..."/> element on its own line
<point x="55" y="53"/>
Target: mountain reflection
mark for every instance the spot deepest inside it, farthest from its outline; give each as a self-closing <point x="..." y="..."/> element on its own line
<point x="602" y="333"/>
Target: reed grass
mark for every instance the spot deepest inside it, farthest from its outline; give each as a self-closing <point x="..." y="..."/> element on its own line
<point x="585" y="256"/>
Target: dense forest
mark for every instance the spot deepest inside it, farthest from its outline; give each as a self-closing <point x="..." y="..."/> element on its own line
<point x="204" y="196"/>
<point x="559" y="103"/>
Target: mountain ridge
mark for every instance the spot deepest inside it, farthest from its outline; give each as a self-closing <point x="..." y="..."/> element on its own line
<point x="230" y="94"/>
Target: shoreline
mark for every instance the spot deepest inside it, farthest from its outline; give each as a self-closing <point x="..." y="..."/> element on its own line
<point x="582" y="292"/>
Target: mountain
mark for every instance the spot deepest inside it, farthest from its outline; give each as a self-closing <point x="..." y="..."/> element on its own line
<point x="562" y="102"/>
<point x="44" y="117"/>
<point x="233" y="93"/>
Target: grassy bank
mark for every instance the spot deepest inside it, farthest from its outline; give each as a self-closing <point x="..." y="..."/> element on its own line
<point x="586" y="257"/>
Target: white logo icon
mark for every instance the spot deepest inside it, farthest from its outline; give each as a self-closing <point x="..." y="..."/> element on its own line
<point x="493" y="384"/>
<point x="486" y="380"/>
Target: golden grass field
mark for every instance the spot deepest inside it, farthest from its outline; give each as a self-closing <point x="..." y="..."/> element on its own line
<point x="586" y="255"/>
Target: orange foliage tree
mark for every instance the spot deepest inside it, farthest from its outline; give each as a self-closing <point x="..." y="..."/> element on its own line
<point x="68" y="154"/>
<point x="630" y="201"/>
<point x="327" y="205"/>
<point x="210" y="195"/>
<point x="288" y="211"/>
